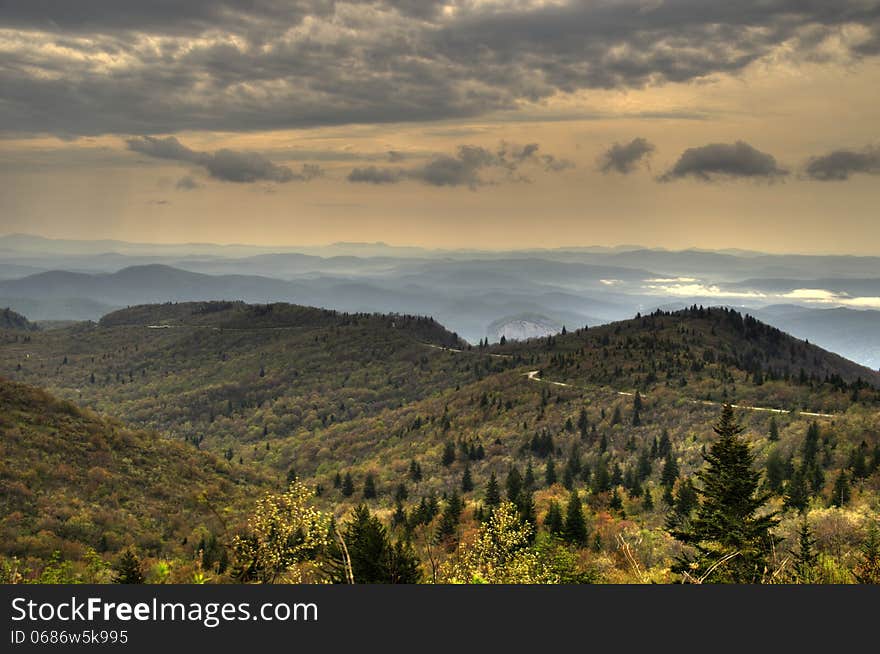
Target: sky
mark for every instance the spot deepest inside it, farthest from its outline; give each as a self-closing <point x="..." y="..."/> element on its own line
<point x="469" y="123"/>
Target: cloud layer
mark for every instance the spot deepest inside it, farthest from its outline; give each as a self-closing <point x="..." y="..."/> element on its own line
<point x="468" y="167"/>
<point x="224" y="165"/>
<point x="724" y="161"/>
<point x="839" y="165"/>
<point x="134" y="67"/>
<point x="626" y="158"/>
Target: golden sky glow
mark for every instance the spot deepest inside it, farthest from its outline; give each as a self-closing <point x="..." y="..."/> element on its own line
<point x="796" y="99"/>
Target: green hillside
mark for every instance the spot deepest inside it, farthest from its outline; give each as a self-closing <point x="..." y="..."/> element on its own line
<point x="224" y="373"/>
<point x="713" y="354"/>
<point x="397" y="413"/>
<point x="77" y="487"/>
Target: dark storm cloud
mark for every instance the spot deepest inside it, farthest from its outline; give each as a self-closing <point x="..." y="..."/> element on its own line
<point x="625" y="158"/>
<point x="225" y="165"/>
<point x="724" y="161"/>
<point x="466" y="167"/>
<point x="187" y="17"/>
<point x="838" y="165"/>
<point x="141" y="67"/>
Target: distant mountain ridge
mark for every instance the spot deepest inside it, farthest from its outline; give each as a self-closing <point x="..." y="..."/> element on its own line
<point x="699" y="336"/>
<point x="465" y="289"/>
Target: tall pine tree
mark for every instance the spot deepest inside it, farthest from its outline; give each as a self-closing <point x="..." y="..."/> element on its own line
<point x="493" y="494"/>
<point x="805" y="556"/>
<point x="732" y="541"/>
<point x="575" y="528"/>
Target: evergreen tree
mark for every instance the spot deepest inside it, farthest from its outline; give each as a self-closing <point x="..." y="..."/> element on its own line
<point x="647" y="500"/>
<point x="670" y="471"/>
<point x="514" y="484"/>
<point x="811" y="445"/>
<point x="399" y="516"/>
<point x="583" y="423"/>
<point x="805" y="556"/>
<point x="493" y="494"/>
<point x="857" y="461"/>
<point x="347" y="485"/>
<point x="796" y="494"/>
<point x="867" y="570"/>
<point x="732" y="541"/>
<point x="616" y="474"/>
<point x="448" y="454"/>
<point x="685" y="501"/>
<point x="668" y="497"/>
<point x="601" y="478"/>
<point x="447" y="530"/>
<point x="553" y="520"/>
<point x="586" y="473"/>
<point x="841" y="494"/>
<point x="816" y="477"/>
<point x="616" y="503"/>
<point x="401" y="494"/>
<point x="776" y="471"/>
<point x="433" y="506"/>
<point x="127" y="569"/>
<point x="369" y="487"/>
<point x="574" y="529"/>
<point x="616" y="417"/>
<point x="644" y="465"/>
<point x="529" y="477"/>
<point x="373" y="558"/>
<point x="291" y="475"/>
<point x="525" y="506"/>
<point x="422" y="514"/>
<point x="774" y="430"/>
<point x="337" y="481"/>
<point x="415" y="471"/>
<point x="550" y="472"/>
<point x="467" y="482"/>
<point x="568" y="478"/>
<point x="632" y="483"/>
<point x="664" y="447"/>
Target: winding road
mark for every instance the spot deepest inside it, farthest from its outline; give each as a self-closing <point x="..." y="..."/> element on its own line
<point x="535" y="376"/>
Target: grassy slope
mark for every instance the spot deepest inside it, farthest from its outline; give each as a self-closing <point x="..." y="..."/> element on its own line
<point x="71" y="480"/>
<point x="226" y="372"/>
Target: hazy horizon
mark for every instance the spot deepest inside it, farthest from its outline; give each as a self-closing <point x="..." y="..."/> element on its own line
<point x="451" y="248"/>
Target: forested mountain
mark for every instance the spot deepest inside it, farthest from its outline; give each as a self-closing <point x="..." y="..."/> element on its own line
<point x="596" y="436"/>
<point x="224" y="372"/>
<point x="78" y="487"/>
<point x="854" y="334"/>
<point x="710" y="353"/>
